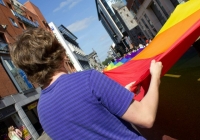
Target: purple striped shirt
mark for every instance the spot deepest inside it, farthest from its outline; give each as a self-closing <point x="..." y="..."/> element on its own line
<point x="86" y="105"/>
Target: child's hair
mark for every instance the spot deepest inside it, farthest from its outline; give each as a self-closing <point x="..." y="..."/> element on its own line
<point x="10" y="128"/>
<point x="39" y="54"/>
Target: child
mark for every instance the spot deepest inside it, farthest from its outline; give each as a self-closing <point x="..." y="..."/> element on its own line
<point x="13" y="135"/>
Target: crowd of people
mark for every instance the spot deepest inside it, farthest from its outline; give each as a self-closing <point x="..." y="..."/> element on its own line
<point x="140" y="46"/>
<point x="129" y="50"/>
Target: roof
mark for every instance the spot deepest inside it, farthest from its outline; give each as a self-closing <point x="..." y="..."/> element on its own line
<point x="67" y="31"/>
<point x="118" y="5"/>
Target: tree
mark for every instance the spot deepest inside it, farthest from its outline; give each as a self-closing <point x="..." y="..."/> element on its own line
<point x="107" y="61"/>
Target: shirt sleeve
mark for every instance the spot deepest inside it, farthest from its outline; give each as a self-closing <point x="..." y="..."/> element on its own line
<point x="112" y="95"/>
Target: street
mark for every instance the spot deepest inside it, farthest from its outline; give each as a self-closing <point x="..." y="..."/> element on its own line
<point x="179" y="107"/>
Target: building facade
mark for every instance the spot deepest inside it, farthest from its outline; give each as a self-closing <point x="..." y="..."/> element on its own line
<point x="113" y="52"/>
<point x="73" y="51"/>
<point x="16" y="91"/>
<point x="109" y="20"/>
<point x="151" y="15"/>
<point x="127" y="18"/>
<point x="111" y="23"/>
<point x="94" y="61"/>
<point x="18" y="97"/>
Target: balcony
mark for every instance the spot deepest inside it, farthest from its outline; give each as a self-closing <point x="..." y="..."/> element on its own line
<point x="25" y="20"/>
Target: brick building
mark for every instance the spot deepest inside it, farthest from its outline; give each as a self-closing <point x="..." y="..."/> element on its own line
<point x="18" y="97"/>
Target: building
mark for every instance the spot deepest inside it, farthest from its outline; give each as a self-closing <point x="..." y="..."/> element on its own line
<point x="110" y="22"/>
<point x="94" y="61"/>
<point x="18" y="97"/>
<point x="151" y="15"/>
<point x="127" y="18"/>
<point x="113" y="52"/>
<point x="74" y="52"/>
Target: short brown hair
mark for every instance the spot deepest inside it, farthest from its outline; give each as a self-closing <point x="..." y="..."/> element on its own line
<point x="39" y="54"/>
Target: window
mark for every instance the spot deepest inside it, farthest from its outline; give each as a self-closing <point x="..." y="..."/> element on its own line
<point x="30" y="18"/>
<point x="142" y="27"/>
<point x="9" y="5"/>
<point x="149" y="31"/>
<point x="21" y="25"/>
<point x="150" y="23"/>
<point x="141" y="1"/>
<point x="174" y="2"/>
<point x="2" y="37"/>
<point x="137" y="4"/>
<point x="134" y="8"/>
<point x="1" y="2"/>
<point x="3" y="44"/>
<point x="157" y="13"/>
<point x="162" y="8"/>
<point x="36" y="22"/>
<point x="13" y="22"/>
<point x="18" y="76"/>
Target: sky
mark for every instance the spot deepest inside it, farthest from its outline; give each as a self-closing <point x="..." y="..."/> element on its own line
<point x="80" y="17"/>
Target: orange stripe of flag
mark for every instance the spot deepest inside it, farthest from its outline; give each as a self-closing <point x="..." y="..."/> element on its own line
<point x="167" y="38"/>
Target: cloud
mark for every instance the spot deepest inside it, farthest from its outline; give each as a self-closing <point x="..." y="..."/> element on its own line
<point x="103" y="37"/>
<point x="103" y="48"/>
<point x="80" y="25"/>
<point x="82" y="37"/>
<point x="69" y="3"/>
<point x="74" y="3"/>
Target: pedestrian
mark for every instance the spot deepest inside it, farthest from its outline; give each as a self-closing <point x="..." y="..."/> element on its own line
<point x="141" y="46"/>
<point x="82" y="105"/>
<point x="147" y="42"/>
<point x="18" y="132"/>
<point x="12" y="134"/>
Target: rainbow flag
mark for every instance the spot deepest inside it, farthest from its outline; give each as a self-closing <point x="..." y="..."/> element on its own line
<point x="123" y="60"/>
<point x="175" y="37"/>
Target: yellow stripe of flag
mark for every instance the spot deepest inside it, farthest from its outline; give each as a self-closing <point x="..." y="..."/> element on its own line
<point x="184" y="10"/>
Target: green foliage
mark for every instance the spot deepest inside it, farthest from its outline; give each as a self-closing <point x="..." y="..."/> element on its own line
<point x="107" y="61"/>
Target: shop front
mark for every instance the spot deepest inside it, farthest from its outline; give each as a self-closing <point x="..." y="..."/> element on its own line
<point x="31" y="112"/>
<point x="6" y="121"/>
<point x="9" y="117"/>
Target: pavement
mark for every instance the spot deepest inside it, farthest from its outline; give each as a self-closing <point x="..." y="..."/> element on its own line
<point x="179" y="107"/>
